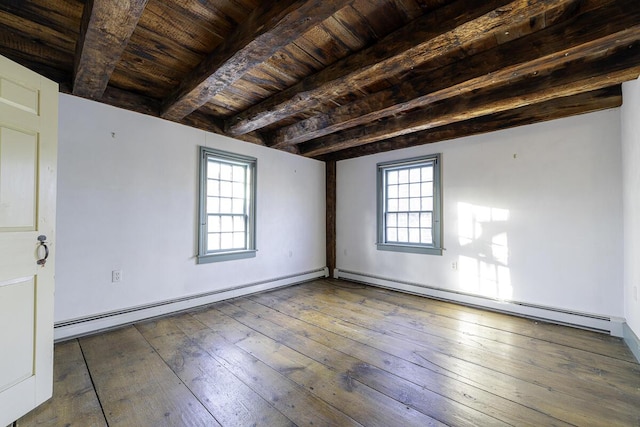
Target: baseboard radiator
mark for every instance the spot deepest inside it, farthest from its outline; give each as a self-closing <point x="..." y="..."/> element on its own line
<point x="599" y="323"/>
<point x="82" y="326"/>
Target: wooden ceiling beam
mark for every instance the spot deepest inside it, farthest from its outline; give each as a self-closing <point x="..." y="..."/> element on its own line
<point x="269" y="28"/>
<point x="622" y="64"/>
<point x="151" y="107"/>
<point x="587" y="102"/>
<point x="105" y="31"/>
<point x="460" y="26"/>
<point x="215" y="125"/>
<point x="588" y="35"/>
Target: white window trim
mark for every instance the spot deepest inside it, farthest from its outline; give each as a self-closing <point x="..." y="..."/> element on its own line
<point x="436" y="247"/>
<point x="205" y="256"/>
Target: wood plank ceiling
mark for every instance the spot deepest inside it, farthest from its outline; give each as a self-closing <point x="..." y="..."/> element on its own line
<point x="334" y="79"/>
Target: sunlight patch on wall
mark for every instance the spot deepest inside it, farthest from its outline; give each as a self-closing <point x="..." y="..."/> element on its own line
<point x="483" y="263"/>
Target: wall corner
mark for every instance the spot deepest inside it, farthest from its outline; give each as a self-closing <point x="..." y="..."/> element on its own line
<point x="632" y="341"/>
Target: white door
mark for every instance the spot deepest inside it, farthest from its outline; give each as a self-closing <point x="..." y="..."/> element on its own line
<point x="28" y="149"/>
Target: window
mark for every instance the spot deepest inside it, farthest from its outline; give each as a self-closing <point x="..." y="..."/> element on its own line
<point x="409" y="207"/>
<point x="227" y="206"/>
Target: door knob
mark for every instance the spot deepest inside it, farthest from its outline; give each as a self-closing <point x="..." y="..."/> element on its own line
<point x="43" y="243"/>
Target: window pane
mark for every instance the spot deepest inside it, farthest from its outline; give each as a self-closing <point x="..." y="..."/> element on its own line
<point x="238" y="240"/>
<point x="414" y="235"/>
<point x="427" y="173"/>
<point x="414" y="175"/>
<point x="392" y="205"/>
<point x="392" y="219"/>
<point x="414" y="204"/>
<point x="403" y="205"/>
<point x="392" y="234"/>
<point x="226" y="189"/>
<point x="226" y="223"/>
<point x="238" y="223"/>
<point x="427" y="203"/>
<point x="403" y="176"/>
<point x="403" y="190"/>
<point x="403" y="235"/>
<point x="225" y="205"/>
<point x="425" y="236"/>
<point x="226" y="241"/>
<point x="213" y="241"/>
<point x="414" y="220"/>
<point x="214" y="223"/>
<point x="213" y="187"/>
<point x="403" y="220"/>
<point x="426" y="219"/>
<point x="225" y="172"/>
<point x="238" y="173"/>
<point x="392" y="191"/>
<point x="392" y="177"/>
<point x="414" y="190"/>
<point x="213" y="205"/>
<point x="238" y="189"/>
<point x="238" y="206"/>
<point x="427" y="189"/>
<point x="213" y="169"/>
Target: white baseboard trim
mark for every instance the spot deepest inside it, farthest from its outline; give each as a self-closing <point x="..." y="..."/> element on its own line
<point x="74" y="328"/>
<point x="632" y="341"/>
<point x="595" y="322"/>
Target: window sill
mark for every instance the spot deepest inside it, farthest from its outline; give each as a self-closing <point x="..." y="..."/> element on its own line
<point x="409" y="249"/>
<point x="226" y="256"/>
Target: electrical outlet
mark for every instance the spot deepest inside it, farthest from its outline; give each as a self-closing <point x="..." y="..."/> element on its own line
<point x="116" y="276"/>
<point x="454" y="265"/>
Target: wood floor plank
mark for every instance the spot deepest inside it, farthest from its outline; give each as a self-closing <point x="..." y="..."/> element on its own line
<point x="336" y="353"/>
<point x="453" y="363"/>
<point x="74" y="402"/>
<point x="372" y="358"/>
<point x="230" y="400"/>
<point x="612" y="374"/>
<point x="134" y="385"/>
<point x="412" y="316"/>
<point x="570" y="379"/>
<point x="352" y="369"/>
<point x="337" y="387"/>
<point x="506" y="354"/>
<point x="217" y="336"/>
<point x="593" y="342"/>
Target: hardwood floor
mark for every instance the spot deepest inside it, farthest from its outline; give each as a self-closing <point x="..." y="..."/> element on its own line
<point x="335" y="353"/>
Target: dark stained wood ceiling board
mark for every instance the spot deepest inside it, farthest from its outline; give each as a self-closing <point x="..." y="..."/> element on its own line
<point x="334" y="79"/>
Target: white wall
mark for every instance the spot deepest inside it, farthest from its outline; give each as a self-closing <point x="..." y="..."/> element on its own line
<point x="631" y="200"/>
<point x="127" y="199"/>
<point x="531" y="214"/>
